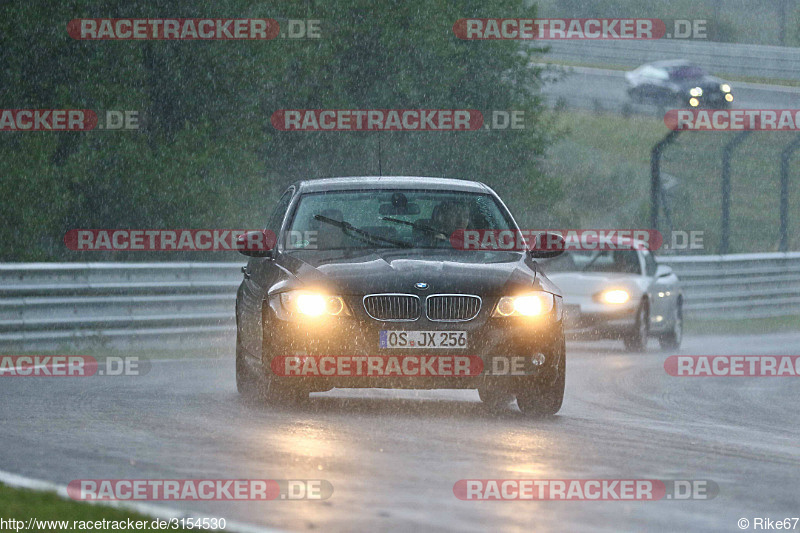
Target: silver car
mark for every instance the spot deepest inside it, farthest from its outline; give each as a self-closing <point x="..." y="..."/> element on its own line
<point x="621" y="293"/>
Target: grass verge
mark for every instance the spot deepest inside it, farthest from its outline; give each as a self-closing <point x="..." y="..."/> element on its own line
<point x="23" y="504"/>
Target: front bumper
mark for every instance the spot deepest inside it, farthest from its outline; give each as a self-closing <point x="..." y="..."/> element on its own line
<point x="715" y="100"/>
<point x="598" y="320"/>
<point x="496" y="341"/>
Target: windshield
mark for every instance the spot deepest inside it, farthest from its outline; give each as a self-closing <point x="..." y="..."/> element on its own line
<point x="614" y="261"/>
<point x="388" y="218"/>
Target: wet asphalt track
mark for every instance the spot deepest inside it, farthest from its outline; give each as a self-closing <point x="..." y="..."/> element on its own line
<point x="393" y="456"/>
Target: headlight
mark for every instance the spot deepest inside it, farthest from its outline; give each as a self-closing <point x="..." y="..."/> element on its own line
<point x="314" y="304"/>
<point x="725" y="88"/>
<point x="531" y="304"/>
<point x="694" y="102"/>
<point x="729" y="97"/>
<point x="696" y="91"/>
<point x="613" y="296"/>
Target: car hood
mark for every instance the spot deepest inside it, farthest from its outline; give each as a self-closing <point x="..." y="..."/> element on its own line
<point x="586" y="284"/>
<point x="377" y="271"/>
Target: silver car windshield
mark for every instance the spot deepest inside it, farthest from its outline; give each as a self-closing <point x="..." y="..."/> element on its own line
<point x="615" y="261"/>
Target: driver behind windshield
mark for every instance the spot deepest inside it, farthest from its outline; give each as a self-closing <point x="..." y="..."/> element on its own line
<point x="449" y="216"/>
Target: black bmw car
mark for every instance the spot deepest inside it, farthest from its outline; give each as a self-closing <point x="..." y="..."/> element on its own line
<point x="364" y="288"/>
<point x="678" y="83"/>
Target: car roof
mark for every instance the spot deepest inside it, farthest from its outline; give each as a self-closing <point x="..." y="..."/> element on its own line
<point x="390" y="182"/>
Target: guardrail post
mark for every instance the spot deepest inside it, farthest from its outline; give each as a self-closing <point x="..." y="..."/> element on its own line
<point x="727" y="153"/>
<point x="655" y="175"/>
<point x="786" y="154"/>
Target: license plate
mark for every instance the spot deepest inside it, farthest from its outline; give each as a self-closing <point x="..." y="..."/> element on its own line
<point x="450" y="340"/>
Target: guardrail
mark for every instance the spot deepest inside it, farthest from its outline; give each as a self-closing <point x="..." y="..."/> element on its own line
<point x="59" y="306"/>
<point x="56" y="306"/>
<point x="738" y="286"/>
<point x="761" y="61"/>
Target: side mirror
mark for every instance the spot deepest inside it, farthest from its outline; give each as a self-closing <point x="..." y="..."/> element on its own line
<point x="547" y="245"/>
<point x="663" y="271"/>
<point x="255" y="243"/>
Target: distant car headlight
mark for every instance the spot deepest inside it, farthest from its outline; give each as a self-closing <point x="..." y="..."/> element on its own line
<point x="613" y="296"/>
<point x="696" y="91"/>
<point x="314" y="304"/>
<point x="530" y="304"/>
<point x="725" y="88"/>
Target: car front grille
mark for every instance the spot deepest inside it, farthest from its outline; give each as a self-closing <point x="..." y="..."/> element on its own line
<point x="452" y="307"/>
<point x="392" y="307"/>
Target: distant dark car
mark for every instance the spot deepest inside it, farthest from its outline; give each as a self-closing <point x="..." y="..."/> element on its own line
<point x="363" y="267"/>
<point x="678" y="83"/>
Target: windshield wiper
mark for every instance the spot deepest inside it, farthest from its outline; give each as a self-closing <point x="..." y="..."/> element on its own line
<point x="415" y="225"/>
<point x="368" y="237"/>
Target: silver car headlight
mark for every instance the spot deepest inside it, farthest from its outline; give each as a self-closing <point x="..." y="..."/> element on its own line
<point x="613" y="296"/>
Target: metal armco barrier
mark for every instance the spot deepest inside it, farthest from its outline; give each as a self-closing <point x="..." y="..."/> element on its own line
<point x="52" y="306"/>
<point x="736" y="286"/>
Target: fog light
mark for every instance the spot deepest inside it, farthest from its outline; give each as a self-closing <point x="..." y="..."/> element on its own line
<point x="694" y="102"/>
<point x="729" y="97"/>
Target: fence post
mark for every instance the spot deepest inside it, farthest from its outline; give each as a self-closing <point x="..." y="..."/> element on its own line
<point x="727" y="153"/>
<point x="655" y="175"/>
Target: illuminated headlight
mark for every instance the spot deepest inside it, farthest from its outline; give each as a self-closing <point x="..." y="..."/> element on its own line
<point x="696" y="91"/>
<point x="613" y="296"/>
<point x="694" y="102"/>
<point x="314" y="304"/>
<point x="531" y="304"/>
<point x="729" y="97"/>
<point x="725" y="88"/>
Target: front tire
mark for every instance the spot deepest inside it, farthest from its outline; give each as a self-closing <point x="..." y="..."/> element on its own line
<point x="546" y="395"/>
<point x="246" y="381"/>
<point x="263" y="385"/>
<point x="672" y="339"/>
<point x="635" y="95"/>
<point x="495" y="399"/>
<point x="636" y="339"/>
